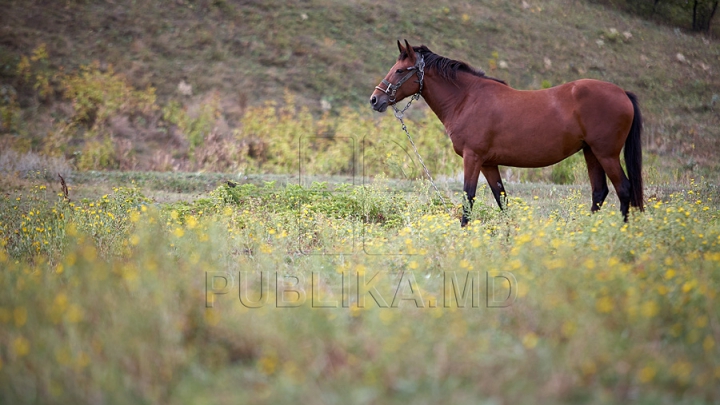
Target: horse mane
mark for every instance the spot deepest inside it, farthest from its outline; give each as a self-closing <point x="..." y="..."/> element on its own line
<point x="446" y="67"/>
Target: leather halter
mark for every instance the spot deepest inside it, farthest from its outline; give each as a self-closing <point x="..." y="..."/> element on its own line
<point x="391" y="89"/>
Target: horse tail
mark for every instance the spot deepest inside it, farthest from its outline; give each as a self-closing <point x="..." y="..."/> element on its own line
<point x="633" y="155"/>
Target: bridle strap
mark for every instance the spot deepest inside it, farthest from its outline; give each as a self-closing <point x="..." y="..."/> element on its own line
<point x="391" y="89"/>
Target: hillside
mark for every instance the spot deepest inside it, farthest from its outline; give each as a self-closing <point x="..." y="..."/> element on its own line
<point x="233" y="56"/>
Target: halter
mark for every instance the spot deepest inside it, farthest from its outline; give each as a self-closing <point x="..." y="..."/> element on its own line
<point x="391" y="89"/>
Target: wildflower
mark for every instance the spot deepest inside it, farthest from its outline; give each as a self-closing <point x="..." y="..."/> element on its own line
<point x="21" y="346"/>
<point x="708" y="343"/>
<point x="646" y="374"/>
<point x="75" y="314"/>
<point x="530" y="340"/>
<point x="20" y="316"/>
<point x="681" y="369"/>
<point x="568" y="328"/>
<point x="649" y="309"/>
<point x="604" y="305"/>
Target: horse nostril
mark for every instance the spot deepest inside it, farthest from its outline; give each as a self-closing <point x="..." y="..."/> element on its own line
<point x="373" y="100"/>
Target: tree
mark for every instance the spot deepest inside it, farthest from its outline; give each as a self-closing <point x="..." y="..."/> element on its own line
<point x="703" y="13"/>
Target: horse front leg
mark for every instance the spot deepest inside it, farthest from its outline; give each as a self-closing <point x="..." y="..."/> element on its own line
<point x="492" y="175"/>
<point x="471" y="167"/>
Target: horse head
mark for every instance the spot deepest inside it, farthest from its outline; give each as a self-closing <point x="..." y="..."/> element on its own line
<point x="393" y="87"/>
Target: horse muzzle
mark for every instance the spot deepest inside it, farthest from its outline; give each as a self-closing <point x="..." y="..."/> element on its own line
<point x="379" y="102"/>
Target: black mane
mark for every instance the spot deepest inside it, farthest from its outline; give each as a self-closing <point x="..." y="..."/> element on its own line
<point x="446" y="67"/>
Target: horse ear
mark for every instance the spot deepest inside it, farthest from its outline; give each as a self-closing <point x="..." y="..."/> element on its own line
<point x="400" y="47"/>
<point x="410" y="50"/>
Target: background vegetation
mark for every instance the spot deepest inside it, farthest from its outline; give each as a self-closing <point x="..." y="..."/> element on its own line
<point x="217" y="85"/>
<point x="103" y="299"/>
<point x="233" y="135"/>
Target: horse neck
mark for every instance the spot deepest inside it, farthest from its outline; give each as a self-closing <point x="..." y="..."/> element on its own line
<point x="446" y="97"/>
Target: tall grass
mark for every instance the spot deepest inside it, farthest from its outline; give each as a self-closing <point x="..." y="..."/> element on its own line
<point x="107" y="300"/>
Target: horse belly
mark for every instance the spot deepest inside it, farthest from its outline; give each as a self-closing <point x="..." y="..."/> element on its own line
<point x="536" y="150"/>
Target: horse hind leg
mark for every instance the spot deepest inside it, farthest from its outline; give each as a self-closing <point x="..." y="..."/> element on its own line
<point x="620" y="182"/>
<point x="598" y="181"/>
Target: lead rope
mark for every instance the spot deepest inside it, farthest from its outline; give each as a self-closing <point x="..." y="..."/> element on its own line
<point x="400" y="115"/>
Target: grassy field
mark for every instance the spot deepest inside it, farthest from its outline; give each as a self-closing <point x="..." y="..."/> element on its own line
<point x="371" y="294"/>
<point x="240" y="228"/>
<point x="181" y="86"/>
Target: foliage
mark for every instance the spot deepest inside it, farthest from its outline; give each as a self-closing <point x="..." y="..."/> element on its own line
<point x="194" y="129"/>
<point x="99" y="93"/>
<point x="317" y="51"/>
<point x="570" y="170"/>
<point x="697" y="15"/>
<point x="97" y="154"/>
<point x="36" y="72"/>
<point x="104" y="299"/>
<point x="9" y="110"/>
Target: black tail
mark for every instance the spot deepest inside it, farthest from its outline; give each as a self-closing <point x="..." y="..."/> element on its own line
<point x="633" y="156"/>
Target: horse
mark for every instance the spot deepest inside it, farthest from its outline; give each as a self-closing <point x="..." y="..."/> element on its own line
<point x="492" y="124"/>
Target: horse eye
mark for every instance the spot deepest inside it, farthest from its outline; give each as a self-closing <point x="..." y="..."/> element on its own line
<point x="399" y="71"/>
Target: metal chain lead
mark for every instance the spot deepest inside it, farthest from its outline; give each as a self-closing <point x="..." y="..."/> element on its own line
<point x="400" y="115"/>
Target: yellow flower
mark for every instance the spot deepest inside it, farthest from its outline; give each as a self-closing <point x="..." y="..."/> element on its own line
<point x="134" y="216"/>
<point x="708" y="343"/>
<point x="211" y="316"/>
<point x="82" y="360"/>
<point x="604" y="304"/>
<point x="681" y="369"/>
<point x="530" y="340"/>
<point x="21" y="346"/>
<point x="267" y="364"/>
<point x="20" y="316"/>
<point x="74" y="314"/>
<point x="568" y="328"/>
<point x="649" y="309"/>
<point x="646" y="374"/>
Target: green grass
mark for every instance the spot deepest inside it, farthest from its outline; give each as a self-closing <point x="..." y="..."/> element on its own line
<point x="237" y="55"/>
<point x="104" y="298"/>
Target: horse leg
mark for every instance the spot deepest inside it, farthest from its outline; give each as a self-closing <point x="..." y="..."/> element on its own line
<point x="471" y="167"/>
<point x="492" y="175"/>
<point x="620" y="182"/>
<point x="598" y="182"/>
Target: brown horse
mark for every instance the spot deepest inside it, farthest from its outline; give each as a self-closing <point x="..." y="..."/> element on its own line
<point x="492" y="124"/>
